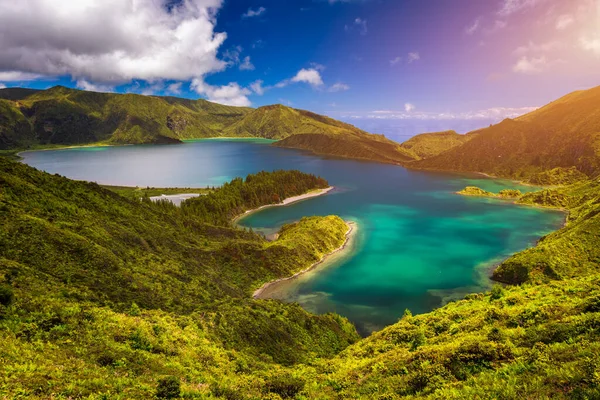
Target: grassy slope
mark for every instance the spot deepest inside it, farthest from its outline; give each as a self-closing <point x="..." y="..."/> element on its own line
<point x="428" y="145"/>
<point x="563" y="134"/>
<point x="322" y="135"/>
<point x="67" y="116"/>
<point x="78" y="245"/>
<point x="69" y="333"/>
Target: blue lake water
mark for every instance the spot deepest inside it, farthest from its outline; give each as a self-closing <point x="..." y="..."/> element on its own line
<point x="418" y="243"/>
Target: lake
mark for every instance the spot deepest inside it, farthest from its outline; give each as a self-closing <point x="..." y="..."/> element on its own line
<point x="418" y="244"/>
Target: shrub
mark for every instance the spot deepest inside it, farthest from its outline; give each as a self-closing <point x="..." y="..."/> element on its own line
<point x="168" y="388"/>
<point x="6" y="295"/>
<point x="497" y="292"/>
<point x="285" y="386"/>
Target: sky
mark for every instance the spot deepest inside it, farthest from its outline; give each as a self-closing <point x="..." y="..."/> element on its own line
<point x="397" y="67"/>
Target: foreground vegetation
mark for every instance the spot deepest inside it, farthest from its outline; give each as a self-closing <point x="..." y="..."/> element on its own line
<point x="105" y="296"/>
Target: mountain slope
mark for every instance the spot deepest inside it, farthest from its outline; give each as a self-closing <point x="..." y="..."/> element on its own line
<point x="67" y="116"/>
<point x="305" y="130"/>
<point x="563" y="134"/>
<point x="427" y="145"/>
<point x="107" y="297"/>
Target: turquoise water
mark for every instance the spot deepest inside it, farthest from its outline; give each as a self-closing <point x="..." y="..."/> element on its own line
<point x="418" y="244"/>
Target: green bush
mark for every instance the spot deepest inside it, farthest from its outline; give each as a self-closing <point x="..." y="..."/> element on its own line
<point x="285" y="386"/>
<point x="168" y="388"/>
<point x="6" y="295"/>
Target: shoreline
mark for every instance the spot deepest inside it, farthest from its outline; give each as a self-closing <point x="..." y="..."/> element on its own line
<point x="285" y="202"/>
<point x="350" y="233"/>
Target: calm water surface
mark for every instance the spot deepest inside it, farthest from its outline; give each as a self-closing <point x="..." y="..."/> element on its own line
<point x="418" y="244"/>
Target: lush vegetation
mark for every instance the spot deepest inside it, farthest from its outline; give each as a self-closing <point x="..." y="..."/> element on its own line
<point x="105" y="296"/>
<point x="563" y="134"/>
<point x="65" y="116"/>
<point x="240" y="195"/>
<point x="62" y="116"/>
<point x="503" y="194"/>
<point x="428" y="145"/>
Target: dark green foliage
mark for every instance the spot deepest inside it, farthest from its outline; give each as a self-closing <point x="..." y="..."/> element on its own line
<point x="168" y="388"/>
<point x="257" y="190"/>
<point x="6" y="295"/>
<point x="286" y="386"/>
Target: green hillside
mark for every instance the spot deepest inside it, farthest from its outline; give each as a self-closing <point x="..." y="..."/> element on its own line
<point x="69" y="117"/>
<point x="63" y="116"/>
<point x="427" y="145"/>
<point x="103" y="296"/>
<point x="563" y="134"/>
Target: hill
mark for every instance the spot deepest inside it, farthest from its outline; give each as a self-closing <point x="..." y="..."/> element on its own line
<point x="63" y="116"/>
<point x="427" y="145"/>
<point x="105" y="296"/>
<point x="563" y="134"/>
<point x="305" y="130"/>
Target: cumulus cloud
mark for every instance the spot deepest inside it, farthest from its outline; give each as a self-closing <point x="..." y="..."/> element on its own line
<point x="110" y="41"/>
<point x="530" y="65"/>
<point x="310" y="76"/>
<point x="231" y="94"/>
<point x="254" y="13"/>
<point x="16" y="76"/>
<point x="2" y="86"/>
<point x="338" y="87"/>
<point x="412" y="57"/>
<point x="409" y="107"/>
<point x="89" y="86"/>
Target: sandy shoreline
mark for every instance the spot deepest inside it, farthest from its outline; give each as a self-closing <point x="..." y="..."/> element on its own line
<point x="286" y="202"/>
<point x="352" y="228"/>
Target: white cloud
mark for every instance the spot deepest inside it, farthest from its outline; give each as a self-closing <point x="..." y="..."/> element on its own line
<point x="497" y="113"/>
<point x="254" y="13"/>
<point x="175" y="88"/>
<point x="409" y="107"/>
<point x="338" y="87"/>
<point x="510" y="7"/>
<point x="359" y="24"/>
<point x="395" y="61"/>
<point x="85" y="85"/>
<point x="15" y="76"/>
<point x="412" y="57"/>
<point x="257" y="87"/>
<point x="532" y="47"/>
<point x="231" y="94"/>
<point x="564" y="21"/>
<point x="2" y="86"/>
<point x="110" y="41"/>
<point x="246" y="65"/>
<point x="530" y="65"/>
<point x="317" y="66"/>
<point x="591" y="44"/>
<point x="471" y="29"/>
<point x="310" y="76"/>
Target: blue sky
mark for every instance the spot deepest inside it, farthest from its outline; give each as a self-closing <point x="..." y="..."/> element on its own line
<point x="389" y="65"/>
